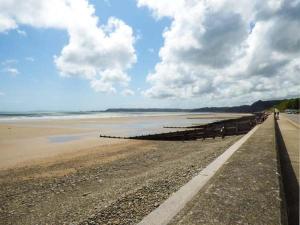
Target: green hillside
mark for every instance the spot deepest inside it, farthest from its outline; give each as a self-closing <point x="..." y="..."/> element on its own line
<point x="288" y="104"/>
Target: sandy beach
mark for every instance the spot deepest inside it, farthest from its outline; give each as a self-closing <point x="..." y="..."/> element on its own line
<point x="29" y="141"/>
<point x="107" y="108"/>
<point x="61" y="172"/>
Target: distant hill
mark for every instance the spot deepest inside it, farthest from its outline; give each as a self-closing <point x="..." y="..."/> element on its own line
<point x="238" y="109"/>
<point x="255" y="107"/>
<point x="288" y="104"/>
<point x="146" y="110"/>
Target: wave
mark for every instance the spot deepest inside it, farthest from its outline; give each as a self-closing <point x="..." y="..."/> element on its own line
<point x="9" y="116"/>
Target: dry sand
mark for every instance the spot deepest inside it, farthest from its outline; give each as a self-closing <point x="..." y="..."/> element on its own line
<point x="91" y="180"/>
<point x="26" y="142"/>
<point x="113" y="185"/>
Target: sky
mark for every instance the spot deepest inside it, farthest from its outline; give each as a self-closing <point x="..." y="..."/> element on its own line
<point x="98" y="54"/>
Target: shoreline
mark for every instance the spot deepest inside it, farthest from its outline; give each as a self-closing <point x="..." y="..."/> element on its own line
<point x="195" y="115"/>
<point x="23" y="141"/>
<point x="122" y="182"/>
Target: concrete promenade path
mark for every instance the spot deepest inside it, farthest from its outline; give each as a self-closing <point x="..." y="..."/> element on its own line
<point x="288" y="139"/>
<point x="246" y="190"/>
<point x="293" y="117"/>
<point x="291" y="137"/>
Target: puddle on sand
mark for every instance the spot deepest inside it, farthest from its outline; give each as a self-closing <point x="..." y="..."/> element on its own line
<point x="63" y="138"/>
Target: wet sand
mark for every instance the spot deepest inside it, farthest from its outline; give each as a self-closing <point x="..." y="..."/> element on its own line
<point x="26" y="142"/>
<point x="61" y="172"/>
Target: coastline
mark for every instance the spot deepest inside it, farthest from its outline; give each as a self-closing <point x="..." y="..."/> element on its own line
<point x="28" y="141"/>
<point x="100" y="183"/>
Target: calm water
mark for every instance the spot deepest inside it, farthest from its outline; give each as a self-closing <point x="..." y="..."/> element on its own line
<point x="136" y="124"/>
<point x="9" y="116"/>
<point x="63" y="138"/>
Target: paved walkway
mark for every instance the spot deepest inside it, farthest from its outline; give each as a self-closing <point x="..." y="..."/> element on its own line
<point x="178" y="200"/>
<point x="245" y="191"/>
<point x="288" y="142"/>
<point x="291" y="136"/>
<point x="294" y="117"/>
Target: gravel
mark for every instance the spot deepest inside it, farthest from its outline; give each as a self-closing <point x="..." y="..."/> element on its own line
<point x="121" y="191"/>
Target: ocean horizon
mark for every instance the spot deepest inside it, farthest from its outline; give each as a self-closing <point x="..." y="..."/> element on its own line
<point x="45" y="115"/>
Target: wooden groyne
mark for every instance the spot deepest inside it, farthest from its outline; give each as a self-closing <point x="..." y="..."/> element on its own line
<point x="216" y="129"/>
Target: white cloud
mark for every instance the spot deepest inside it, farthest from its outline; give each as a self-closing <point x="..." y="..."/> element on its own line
<point x="225" y="49"/>
<point x="108" y="79"/>
<point x="30" y="59"/>
<point x="8" y="62"/>
<point x="127" y="92"/>
<point x="9" y="67"/>
<point x="98" y="53"/>
<point x="22" y="32"/>
<point x="101" y="86"/>
<point x="6" y="23"/>
<point x="11" y="71"/>
<point x="163" y="8"/>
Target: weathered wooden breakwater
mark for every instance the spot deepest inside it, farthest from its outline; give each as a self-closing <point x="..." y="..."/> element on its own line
<point x="216" y="129"/>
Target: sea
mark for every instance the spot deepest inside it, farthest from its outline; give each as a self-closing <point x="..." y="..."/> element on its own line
<point x="34" y="115"/>
<point x="156" y="121"/>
